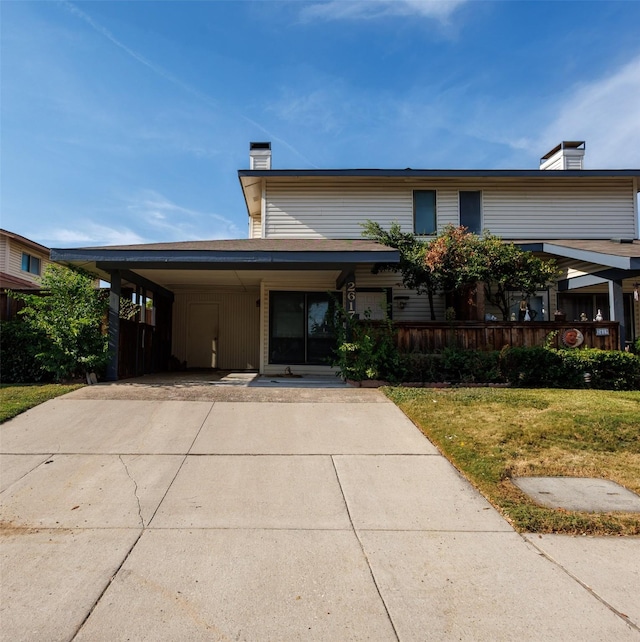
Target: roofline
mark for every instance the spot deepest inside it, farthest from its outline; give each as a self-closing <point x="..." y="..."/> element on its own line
<point x="23" y="239"/>
<point x="589" y="256"/>
<point x="441" y="173"/>
<point x="239" y="259"/>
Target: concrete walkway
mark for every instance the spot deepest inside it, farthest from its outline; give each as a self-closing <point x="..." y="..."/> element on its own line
<point x="142" y="511"/>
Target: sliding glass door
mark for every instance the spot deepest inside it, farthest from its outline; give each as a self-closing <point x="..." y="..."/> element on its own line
<point x="301" y="327"/>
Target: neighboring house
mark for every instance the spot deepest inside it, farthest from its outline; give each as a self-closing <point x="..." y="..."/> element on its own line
<point x="22" y="263"/>
<point x="261" y="303"/>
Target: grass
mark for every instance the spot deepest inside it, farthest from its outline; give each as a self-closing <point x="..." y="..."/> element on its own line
<point x="492" y="435"/>
<point x="16" y="398"/>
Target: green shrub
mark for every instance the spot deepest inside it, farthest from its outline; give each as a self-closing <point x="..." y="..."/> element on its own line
<point x="607" y="369"/>
<point x="471" y="366"/>
<point x="19" y="345"/>
<point x="537" y="368"/>
<point x="422" y="368"/>
<point x="367" y="350"/>
<point x="69" y="314"/>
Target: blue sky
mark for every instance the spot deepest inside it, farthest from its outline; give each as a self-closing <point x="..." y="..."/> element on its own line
<point x="126" y="122"/>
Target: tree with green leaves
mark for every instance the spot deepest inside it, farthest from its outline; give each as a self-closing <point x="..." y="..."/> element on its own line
<point x="457" y="260"/>
<point x="415" y="274"/>
<point x="452" y="257"/>
<point x="461" y="259"/>
<point x="505" y="268"/>
<point x="69" y="315"/>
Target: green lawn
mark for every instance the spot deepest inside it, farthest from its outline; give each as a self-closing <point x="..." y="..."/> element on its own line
<point x="491" y="435"/>
<point x="16" y="398"/>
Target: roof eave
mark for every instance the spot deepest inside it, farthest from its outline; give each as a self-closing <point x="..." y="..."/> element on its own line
<point x="212" y="259"/>
<point x="438" y="173"/>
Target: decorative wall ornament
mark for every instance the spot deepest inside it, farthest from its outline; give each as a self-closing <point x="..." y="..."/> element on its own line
<point x="572" y="338"/>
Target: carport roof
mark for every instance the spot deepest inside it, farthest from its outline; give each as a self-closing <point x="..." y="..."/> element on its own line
<point x="624" y="255"/>
<point x="238" y="254"/>
<point x="250" y="252"/>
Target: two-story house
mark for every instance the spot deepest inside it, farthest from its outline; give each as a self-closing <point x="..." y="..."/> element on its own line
<point x="261" y="303"/>
<point x="22" y="263"/>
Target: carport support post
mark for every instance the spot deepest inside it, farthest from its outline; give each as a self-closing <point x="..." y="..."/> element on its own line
<point x="114" y="325"/>
<point x="616" y="306"/>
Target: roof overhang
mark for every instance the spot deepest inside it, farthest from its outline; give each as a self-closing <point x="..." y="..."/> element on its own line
<point x="617" y="260"/>
<point x="623" y="255"/>
<point x="252" y="180"/>
<point x="240" y="255"/>
<point x="248" y="176"/>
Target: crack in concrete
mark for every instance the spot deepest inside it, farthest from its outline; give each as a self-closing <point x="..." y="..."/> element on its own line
<point x="135" y="490"/>
<point x="364" y="552"/>
<point x="623" y="616"/>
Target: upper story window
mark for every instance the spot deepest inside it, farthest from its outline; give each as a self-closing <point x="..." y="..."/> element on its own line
<point x="424" y="212"/>
<point x="471" y="211"/>
<point x="30" y="263"/>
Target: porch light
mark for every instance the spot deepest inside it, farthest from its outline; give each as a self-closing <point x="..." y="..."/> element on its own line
<point x="401" y="301"/>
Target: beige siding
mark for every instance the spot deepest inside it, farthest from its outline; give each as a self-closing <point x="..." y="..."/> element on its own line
<point x="3" y="254"/>
<point x="416" y="308"/>
<point x="333" y="211"/>
<point x="570" y="268"/>
<point x="238" y="323"/>
<point x="255" y="227"/>
<point x="542" y="208"/>
<point x="447" y="208"/>
<point x="14" y="261"/>
<point x="561" y="209"/>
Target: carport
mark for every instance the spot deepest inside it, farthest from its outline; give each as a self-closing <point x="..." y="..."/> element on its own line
<point x="209" y="300"/>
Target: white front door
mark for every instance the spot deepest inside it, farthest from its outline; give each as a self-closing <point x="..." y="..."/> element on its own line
<point x="202" y="335"/>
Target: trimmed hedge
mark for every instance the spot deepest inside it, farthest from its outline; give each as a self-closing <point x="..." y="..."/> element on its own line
<point x="527" y="368"/>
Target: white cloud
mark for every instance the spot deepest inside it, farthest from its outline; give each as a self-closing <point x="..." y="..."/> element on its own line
<point x="89" y="233"/>
<point x="146" y="217"/>
<point x="371" y="9"/>
<point x="321" y="110"/>
<point x="158" y="215"/>
<point x="606" y="114"/>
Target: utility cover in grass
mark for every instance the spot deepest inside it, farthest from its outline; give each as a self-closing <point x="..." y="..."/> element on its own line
<point x="579" y="493"/>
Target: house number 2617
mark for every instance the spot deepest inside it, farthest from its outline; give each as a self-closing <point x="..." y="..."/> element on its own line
<point x="351" y="297"/>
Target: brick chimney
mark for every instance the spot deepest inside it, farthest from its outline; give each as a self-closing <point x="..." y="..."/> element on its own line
<point x="569" y="154"/>
<point x="259" y="155"/>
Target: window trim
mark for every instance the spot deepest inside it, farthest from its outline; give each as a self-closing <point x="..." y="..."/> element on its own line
<point x="388" y="291"/>
<point x="481" y="208"/>
<point x="31" y="261"/>
<point x="435" y="211"/>
<point x="338" y="295"/>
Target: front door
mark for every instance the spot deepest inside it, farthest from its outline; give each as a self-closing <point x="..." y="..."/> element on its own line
<point x="202" y="335"/>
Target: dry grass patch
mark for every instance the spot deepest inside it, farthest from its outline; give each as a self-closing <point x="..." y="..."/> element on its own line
<point x="492" y="435"/>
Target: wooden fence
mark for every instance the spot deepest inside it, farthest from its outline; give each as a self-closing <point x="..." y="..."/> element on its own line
<point x="494" y="335"/>
<point x="143" y="347"/>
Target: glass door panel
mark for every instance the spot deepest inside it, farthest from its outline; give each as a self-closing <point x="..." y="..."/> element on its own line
<point x="287" y="328"/>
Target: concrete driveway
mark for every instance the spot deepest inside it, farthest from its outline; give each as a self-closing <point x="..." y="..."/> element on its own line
<point x="186" y="511"/>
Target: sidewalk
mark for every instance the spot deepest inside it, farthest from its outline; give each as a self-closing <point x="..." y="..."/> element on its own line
<point x="315" y="514"/>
